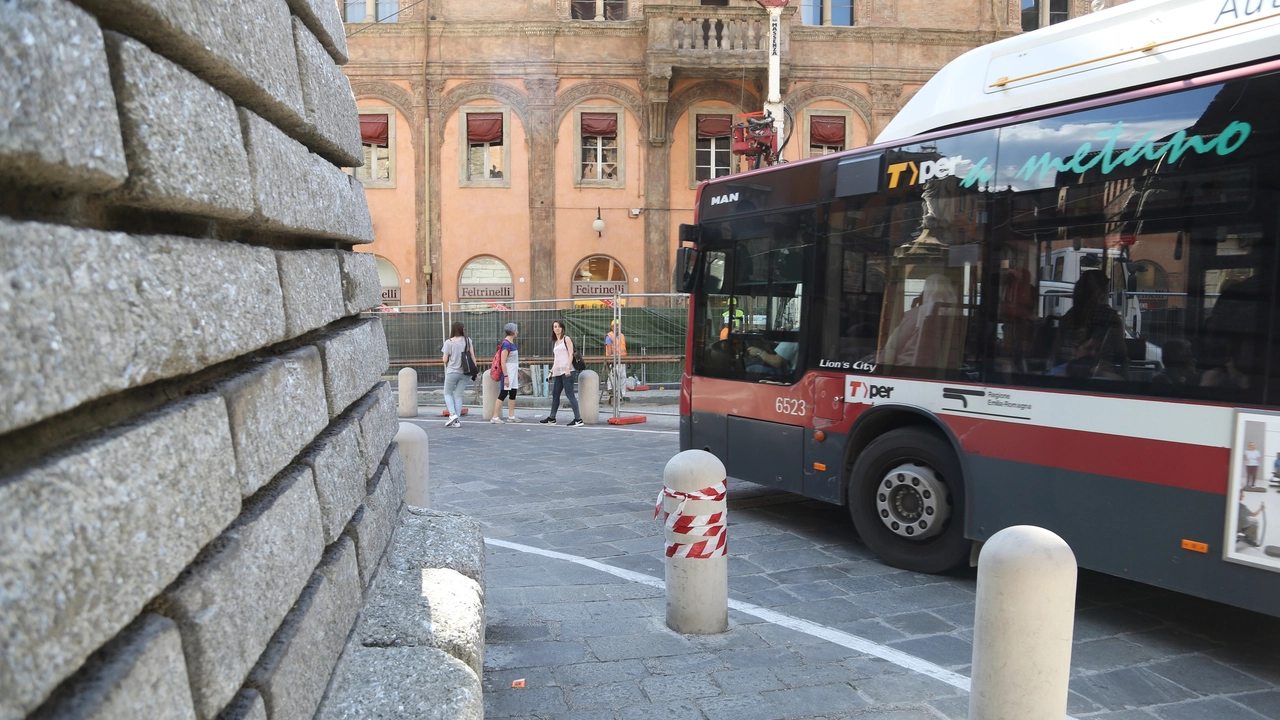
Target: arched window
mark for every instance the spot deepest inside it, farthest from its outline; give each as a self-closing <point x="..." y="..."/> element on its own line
<point x="486" y="279"/>
<point x="389" y="278"/>
<point x="599" y="276"/>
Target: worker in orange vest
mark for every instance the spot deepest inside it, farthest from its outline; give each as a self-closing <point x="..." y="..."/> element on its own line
<point x="615" y="348"/>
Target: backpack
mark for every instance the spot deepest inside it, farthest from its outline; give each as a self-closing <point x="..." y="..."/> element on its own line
<point x="495" y="370"/>
<point x="469" y="367"/>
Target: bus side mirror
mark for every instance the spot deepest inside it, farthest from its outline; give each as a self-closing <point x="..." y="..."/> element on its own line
<point x="688" y="233"/>
<point x="686" y="268"/>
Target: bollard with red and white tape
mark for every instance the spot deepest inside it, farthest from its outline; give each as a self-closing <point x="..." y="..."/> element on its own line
<point x="694" y="511"/>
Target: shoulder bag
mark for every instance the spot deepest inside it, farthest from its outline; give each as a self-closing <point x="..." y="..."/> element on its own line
<point x="469" y="367"/>
<point x="578" y="363"/>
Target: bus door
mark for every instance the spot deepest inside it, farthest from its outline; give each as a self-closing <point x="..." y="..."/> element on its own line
<point x="748" y="330"/>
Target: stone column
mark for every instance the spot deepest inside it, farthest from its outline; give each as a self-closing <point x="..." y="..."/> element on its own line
<point x="826" y="12"/>
<point x="657" y="184"/>
<point x="542" y="185"/>
<point x="599" y="9"/>
<point x="434" y="132"/>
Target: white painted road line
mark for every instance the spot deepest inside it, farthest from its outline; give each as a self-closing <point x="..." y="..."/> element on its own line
<point x="843" y="639"/>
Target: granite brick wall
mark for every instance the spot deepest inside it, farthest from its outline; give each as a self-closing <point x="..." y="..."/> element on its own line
<point x="197" y="470"/>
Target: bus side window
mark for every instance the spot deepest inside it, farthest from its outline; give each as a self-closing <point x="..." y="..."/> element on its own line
<point x="1155" y="275"/>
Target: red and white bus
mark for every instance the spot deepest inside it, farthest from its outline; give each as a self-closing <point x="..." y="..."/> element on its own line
<point x="1048" y="295"/>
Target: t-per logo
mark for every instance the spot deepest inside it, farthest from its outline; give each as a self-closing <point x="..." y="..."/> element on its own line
<point x="923" y="172"/>
<point x="858" y="390"/>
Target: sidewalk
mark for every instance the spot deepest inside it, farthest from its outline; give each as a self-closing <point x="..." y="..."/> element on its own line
<point x="591" y="645"/>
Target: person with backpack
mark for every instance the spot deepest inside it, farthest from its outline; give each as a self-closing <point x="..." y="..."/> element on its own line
<point x="459" y="365"/>
<point x="563" y="374"/>
<point x="506" y="369"/>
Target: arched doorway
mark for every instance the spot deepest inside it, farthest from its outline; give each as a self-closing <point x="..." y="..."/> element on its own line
<point x="599" y="276"/>
<point x="486" y="279"/>
<point x="389" y="278"/>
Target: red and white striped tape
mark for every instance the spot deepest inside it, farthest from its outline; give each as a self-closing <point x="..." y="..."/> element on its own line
<point x="709" y="526"/>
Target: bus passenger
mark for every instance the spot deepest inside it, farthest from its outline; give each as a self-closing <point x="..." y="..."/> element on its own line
<point x="1090" y="338"/>
<point x="1179" y="364"/>
<point x="907" y="344"/>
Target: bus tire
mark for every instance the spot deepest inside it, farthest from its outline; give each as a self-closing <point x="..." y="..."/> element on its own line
<point x="898" y="471"/>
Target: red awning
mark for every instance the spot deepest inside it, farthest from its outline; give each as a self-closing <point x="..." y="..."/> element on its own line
<point x="373" y="129"/>
<point x="484" y="127"/>
<point x="713" y="126"/>
<point x="826" y="130"/>
<point x="599" y="125"/>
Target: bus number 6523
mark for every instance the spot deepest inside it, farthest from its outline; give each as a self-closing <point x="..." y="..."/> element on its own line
<point x="787" y="406"/>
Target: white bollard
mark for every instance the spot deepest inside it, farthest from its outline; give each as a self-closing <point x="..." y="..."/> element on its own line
<point x="408" y="392"/>
<point x="695" y="514"/>
<point x="489" y="389"/>
<point x="589" y="396"/>
<point x="417" y="472"/>
<point x="1022" y="626"/>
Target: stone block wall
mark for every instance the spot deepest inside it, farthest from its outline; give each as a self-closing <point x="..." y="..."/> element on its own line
<point x="198" y="478"/>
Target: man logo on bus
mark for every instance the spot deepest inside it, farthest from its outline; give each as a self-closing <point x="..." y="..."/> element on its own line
<point x="925" y="171"/>
<point x="722" y="199"/>
<point x="859" y="391"/>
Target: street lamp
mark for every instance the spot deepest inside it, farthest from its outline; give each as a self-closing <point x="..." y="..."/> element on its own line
<point x="598" y="224"/>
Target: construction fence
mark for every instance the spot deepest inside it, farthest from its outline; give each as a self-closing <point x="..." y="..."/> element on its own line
<point x="655" y="327"/>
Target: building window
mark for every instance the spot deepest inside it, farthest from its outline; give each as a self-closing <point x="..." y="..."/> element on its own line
<point x="377" y="137"/>
<point x="366" y="10"/>
<point x="713" y="156"/>
<point x="826" y="134"/>
<point x="599" y="276"/>
<point x="599" y="151"/>
<point x="599" y="9"/>
<point x="826" y="12"/>
<point x="390" y="280"/>
<point x="486" y="153"/>
<point x="1043" y="13"/>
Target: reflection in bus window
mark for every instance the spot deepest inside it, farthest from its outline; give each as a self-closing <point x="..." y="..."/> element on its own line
<point x="1149" y="261"/>
<point x="748" y="320"/>
<point x="903" y="270"/>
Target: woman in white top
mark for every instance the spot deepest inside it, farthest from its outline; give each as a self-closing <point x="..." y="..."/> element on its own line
<point x="562" y="374"/>
<point x="455" y="381"/>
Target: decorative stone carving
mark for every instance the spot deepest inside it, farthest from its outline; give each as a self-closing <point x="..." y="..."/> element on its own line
<point x="884" y="96"/>
<point x="542" y="90"/>
<point x="829" y="91"/>
<point x="704" y="91"/>
<point x="579" y="92"/>
<point x="657" y="122"/>
<point x="466" y="92"/>
<point x="388" y="92"/>
<point x="434" y="90"/>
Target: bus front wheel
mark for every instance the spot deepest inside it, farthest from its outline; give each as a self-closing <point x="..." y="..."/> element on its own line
<point x="906" y="498"/>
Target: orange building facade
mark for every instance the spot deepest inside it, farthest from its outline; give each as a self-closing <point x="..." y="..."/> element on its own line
<point x="498" y="131"/>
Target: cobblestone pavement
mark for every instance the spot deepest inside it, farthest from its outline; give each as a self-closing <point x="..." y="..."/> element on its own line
<point x="592" y="646"/>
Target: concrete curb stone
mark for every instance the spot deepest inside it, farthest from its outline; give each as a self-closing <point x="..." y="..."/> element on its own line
<point x="247" y="705"/>
<point x="91" y="313"/>
<point x="402" y="683"/>
<point x="333" y="124"/>
<point x="253" y="62"/>
<point x="294" y="672"/>
<point x="51" y="50"/>
<point x="181" y="137"/>
<point x="139" y="673"/>
<point x="276" y="410"/>
<point x="325" y="21"/>
<point x="231" y="601"/>
<point x="68" y="530"/>
<point x="311" y="285"/>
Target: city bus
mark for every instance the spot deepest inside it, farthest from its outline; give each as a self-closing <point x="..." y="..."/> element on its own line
<point x="1047" y="295"/>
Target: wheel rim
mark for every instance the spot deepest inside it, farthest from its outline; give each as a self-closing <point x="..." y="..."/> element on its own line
<point x="913" y="502"/>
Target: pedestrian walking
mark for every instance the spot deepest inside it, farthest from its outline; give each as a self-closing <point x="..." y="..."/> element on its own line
<point x="563" y="375"/>
<point x="509" y="366"/>
<point x="459" y="366"/>
<point x="615" y="348"/>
